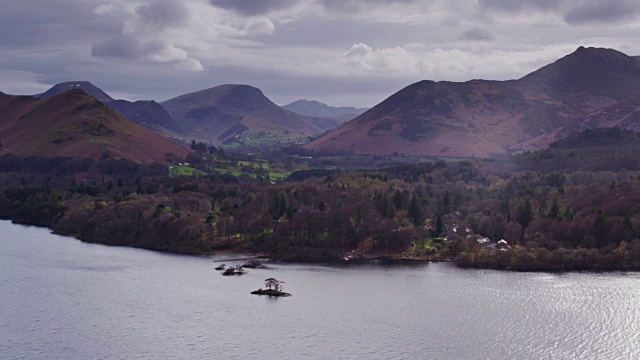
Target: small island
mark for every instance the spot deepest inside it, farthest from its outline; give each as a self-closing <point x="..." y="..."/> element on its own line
<point x="234" y="270"/>
<point x="254" y="264"/>
<point x="274" y="286"/>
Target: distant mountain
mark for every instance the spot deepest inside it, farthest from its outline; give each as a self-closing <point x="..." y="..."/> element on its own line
<point x="86" y="86"/>
<point x="75" y="124"/>
<point x="146" y="113"/>
<point x="318" y="109"/>
<point x="590" y="88"/>
<point x="229" y="112"/>
<point x="149" y="114"/>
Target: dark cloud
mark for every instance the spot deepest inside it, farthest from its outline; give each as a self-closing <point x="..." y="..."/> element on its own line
<point x="477" y="34"/>
<point x="253" y="7"/>
<point x="353" y="5"/>
<point x="162" y="14"/>
<point x="53" y="43"/>
<point x="573" y="12"/>
<point x="27" y="23"/>
<point x="122" y="46"/>
<point x="341" y="32"/>
<point x="602" y="11"/>
<point x="128" y="46"/>
<point x="260" y="7"/>
<point x="513" y="6"/>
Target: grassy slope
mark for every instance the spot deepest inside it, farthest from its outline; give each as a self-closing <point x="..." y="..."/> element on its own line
<point x="74" y="124"/>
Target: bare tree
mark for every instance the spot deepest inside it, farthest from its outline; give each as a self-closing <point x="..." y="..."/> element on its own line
<point x="274" y="284"/>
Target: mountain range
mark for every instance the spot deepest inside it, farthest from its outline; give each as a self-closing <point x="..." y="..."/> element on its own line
<point x="217" y="115"/>
<point x="73" y="123"/>
<point x="589" y="88"/>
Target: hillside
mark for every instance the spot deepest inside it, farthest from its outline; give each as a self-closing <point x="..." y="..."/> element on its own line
<point x="238" y="113"/>
<point x="147" y="113"/>
<point x="74" y="124"/>
<point x="603" y="149"/>
<point x="590" y="88"/>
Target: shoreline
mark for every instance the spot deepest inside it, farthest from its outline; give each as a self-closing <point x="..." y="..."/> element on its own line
<point x="397" y="258"/>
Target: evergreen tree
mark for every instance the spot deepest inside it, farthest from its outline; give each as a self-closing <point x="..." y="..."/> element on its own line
<point x="525" y="214"/>
<point x="278" y="205"/>
<point x="555" y="209"/>
<point x="439" y="226"/>
<point x="446" y="203"/>
<point x="415" y="212"/>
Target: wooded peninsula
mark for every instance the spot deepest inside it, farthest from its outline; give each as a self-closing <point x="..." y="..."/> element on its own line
<point x="573" y="206"/>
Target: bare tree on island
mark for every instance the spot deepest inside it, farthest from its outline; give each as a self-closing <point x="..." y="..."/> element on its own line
<point x="274" y="284"/>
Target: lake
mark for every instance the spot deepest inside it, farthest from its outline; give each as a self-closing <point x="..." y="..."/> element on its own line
<point x="64" y="299"/>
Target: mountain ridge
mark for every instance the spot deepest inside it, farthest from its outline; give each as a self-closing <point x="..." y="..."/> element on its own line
<point x="146" y="113"/>
<point x="591" y="87"/>
<point x="229" y="111"/>
<point x="75" y="124"/>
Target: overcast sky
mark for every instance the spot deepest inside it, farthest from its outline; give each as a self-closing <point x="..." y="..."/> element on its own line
<point x="341" y="52"/>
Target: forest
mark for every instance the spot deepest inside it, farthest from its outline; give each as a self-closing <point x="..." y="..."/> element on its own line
<point x="574" y="206"/>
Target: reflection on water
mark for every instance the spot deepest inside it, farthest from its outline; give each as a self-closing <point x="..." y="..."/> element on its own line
<point x="62" y="299"/>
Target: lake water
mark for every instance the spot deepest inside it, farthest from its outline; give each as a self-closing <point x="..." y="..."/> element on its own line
<point x="64" y="299"/>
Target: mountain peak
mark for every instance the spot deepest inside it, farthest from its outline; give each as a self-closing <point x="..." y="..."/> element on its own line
<point x="587" y="67"/>
<point x="602" y="53"/>
<point x="86" y="86"/>
<point x="244" y="91"/>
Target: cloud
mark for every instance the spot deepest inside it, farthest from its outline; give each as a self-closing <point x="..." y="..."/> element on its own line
<point x="130" y="47"/>
<point x="259" y="26"/>
<point x="150" y="34"/>
<point x="163" y="14"/>
<point x="351" y="5"/>
<point x="514" y="6"/>
<point x="124" y="46"/>
<point x="358" y="51"/>
<point x="21" y="82"/>
<point x="477" y="34"/>
<point x="190" y="64"/>
<point x="398" y="60"/>
<point x="104" y="9"/>
<point x="591" y="11"/>
<point x="573" y="12"/>
<point x="350" y="50"/>
<point x="253" y="7"/>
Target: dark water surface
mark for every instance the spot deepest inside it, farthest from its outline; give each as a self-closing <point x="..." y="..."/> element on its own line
<point x="63" y="299"/>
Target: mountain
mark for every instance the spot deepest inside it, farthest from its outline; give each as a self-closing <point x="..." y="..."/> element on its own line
<point x="318" y="109"/>
<point x="149" y="114"/>
<point x="233" y="112"/>
<point x="75" y="124"/>
<point x="589" y="88"/>
<point x="86" y="86"/>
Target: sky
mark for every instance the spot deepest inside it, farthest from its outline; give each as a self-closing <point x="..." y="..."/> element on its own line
<point x="340" y="52"/>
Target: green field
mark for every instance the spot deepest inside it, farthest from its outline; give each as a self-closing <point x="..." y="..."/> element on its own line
<point x="181" y="170"/>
